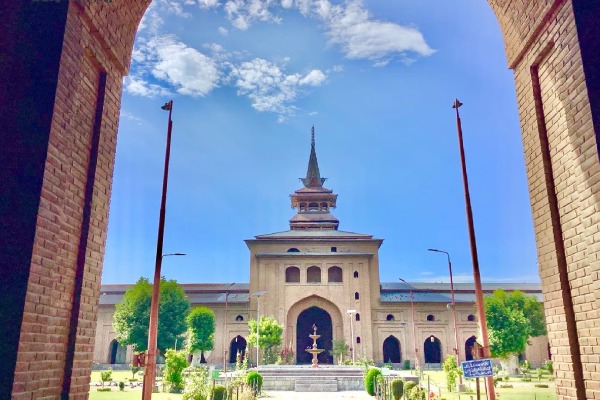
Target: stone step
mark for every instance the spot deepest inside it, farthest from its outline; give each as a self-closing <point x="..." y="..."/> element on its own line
<point x="316" y="385"/>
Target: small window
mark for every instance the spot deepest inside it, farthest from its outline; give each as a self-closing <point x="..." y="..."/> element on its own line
<point x="334" y="249"/>
<point x="357" y="316"/>
<point x="356" y="274"/>
<point x="358" y="339"/>
<point x="313" y="275"/>
<point x="292" y="274"/>
<point x="356" y="296"/>
<point x="239" y="318"/>
<point x="323" y="206"/>
<point x="390" y="317"/>
<point x="313" y="207"/>
<point x="293" y="250"/>
<point x="334" y="275"/>
<point x="302" y="207"/>
<point x="430" y="317"/>
<point x="471" y="318"/>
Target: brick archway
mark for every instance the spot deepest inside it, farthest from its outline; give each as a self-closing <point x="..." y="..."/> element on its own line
<point x="61" y="97"/>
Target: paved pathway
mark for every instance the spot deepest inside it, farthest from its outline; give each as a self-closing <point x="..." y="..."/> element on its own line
<point x="350" y="395"/>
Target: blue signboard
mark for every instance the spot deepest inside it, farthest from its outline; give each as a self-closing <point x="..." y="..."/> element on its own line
<point x="477" y="368"/>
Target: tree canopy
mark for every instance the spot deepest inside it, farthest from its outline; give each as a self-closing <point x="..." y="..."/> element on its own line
<point x="132" y="315"/>
<point x="512" y="319"/>
<point x="201" y="330"/>
<point x="271" y="336"/>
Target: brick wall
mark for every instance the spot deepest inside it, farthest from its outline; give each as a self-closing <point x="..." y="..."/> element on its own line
<point x="67" y="245"/>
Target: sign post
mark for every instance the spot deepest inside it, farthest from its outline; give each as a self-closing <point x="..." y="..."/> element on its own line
<point x="478" y="369"/>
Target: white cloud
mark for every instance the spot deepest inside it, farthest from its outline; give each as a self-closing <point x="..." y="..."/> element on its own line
<point x="268" y="87"/>
<point x="140" y="87"/>
<point x="338" y="68"/>
<point x="206" y="4"/>
<point x="362" y="37"/>
<point x="242" y="13"/>
<point x="223" y="31"/>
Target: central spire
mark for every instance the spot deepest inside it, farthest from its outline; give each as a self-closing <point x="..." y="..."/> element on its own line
<point x="313" y="177"/>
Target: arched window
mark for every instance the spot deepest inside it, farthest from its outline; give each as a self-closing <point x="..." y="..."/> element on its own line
<point x="302" y="207"/>
<point x="292" y="274"/>
<point x="293" y="250"/>
<point x="357" y="316"/>
<point x="313" y="207"/>
<point x="313" y="274"/>
<point x="239" y="318"/>
<point x="390" y="317"/>
<point x="334" y="275"/>
<point x="432" y="349"/>
<point x="356" y="296"/>
<point x="356" y="274"/>
<point x="471" y="318"/>
<point x="431" y="317"/>
<point x="358" y="339"/>
<point x="323" y="206"/>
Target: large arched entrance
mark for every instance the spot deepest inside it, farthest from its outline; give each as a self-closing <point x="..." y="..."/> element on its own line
<point x="237" y="346"/>
<point x="391" y="350"/>
<point x="469" y="348"/>
<point x="314" y="316"/>
<point x="433" y="350"/>
<point x="534" y="32"/>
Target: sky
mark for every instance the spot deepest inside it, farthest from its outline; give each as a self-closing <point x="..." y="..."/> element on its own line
<point x="377" y="79"/>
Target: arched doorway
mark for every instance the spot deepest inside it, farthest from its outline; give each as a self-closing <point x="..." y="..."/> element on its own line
<point x="433" y="350"/>
<point x="469" y="347"/>
<point x="237" y="345"/>
<point x="117" y="353"/>
<point x="391" y="350"/>
<point x="304" y="327"/>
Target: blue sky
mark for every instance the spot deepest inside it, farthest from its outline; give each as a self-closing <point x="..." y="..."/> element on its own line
<point x="377" y="80"/>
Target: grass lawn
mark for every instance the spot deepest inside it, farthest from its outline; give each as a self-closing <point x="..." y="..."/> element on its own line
<point x="519" y="391"/>
<point x="115" y="394"/>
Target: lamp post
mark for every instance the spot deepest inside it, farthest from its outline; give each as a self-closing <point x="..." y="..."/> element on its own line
<point x="403" y="325"/>
<point x="258" y="294"/>
<point x="456" y="348"/>
<point x="352" y="312"/>
<point x="412" y="306"/>
<point x="476" y="275"/>
<point x="153" y="326"/>
<point x="225" y="329"/>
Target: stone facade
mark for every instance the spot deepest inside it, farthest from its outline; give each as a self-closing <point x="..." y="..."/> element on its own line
<point x="62" y="81"/>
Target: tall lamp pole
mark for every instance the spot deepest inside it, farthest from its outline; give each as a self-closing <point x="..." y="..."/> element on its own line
<point x="352" y="312"/>
<point x="153" y="327"/>
<point x="258" y="294"/>
<point x="412" y="306"/>
<point x="453" y="305"/>
<point x="476" y="275"/>
<point x="225" y="329"/>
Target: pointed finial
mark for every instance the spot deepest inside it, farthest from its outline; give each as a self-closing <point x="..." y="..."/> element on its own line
<point x="312" y="134"/>
<point x="456" y="103"/>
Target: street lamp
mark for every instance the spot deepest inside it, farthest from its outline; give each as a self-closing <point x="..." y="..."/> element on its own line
<point x="403" y="325"/>
<point x="352" y="312"/>
<point x="476" y="275"/>
<point x="225" y="329"/>
<point x="258" y="294"/>
<point x="149" y="377"/>
<point x="456" y="348"/>
<point x="412" y="306"/>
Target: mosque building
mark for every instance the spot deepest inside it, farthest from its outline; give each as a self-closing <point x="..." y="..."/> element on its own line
<point x="315" y="273"/>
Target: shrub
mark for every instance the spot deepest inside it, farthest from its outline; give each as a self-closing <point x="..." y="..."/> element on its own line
<point x="106" y="376"/>
<point x="218" y="393"/>
<point x="255" y="381"/>
<point x="104" y="389"/>
<point x="397" y="388"/>
<point x="121" y="386"/>
<point x="408" y="386"/>
<point x="451" y="372"/>
<point x="526" y="378"/>
<point x="197" y="385"/>
<point x="417" y="393"/>
<point x="506" y="386"/>
<point x="541" y="385"/>
<point x="370" y="380"/>
<point x="175" y="363"/>
<point x="406" y="364"/>
<point x="549" y="367"/>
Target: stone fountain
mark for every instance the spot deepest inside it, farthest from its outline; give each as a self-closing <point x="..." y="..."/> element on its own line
<point x="313" y="350"/>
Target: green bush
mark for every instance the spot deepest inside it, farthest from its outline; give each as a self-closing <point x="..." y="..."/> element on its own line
<point x="104" y="389"/>
<point x="175" y="363"/>
<point x="540" y="385"/>
<point x="397" y="388"/>
<point x="506" y="386"/>
<point x="121" y="386"/>
<point x="218" y="392"/>
<point x="255" y="381"/>
<point x="106" y="376"/>
<point x="417" y="393"/>
<point x="370" y="379"/>
<point x="406" y="364"/>
<point x="526" y="378"/>
<point x="408" y="386"/>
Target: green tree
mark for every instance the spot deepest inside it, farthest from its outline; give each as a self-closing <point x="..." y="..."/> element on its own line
<point x="175" y="363"/>
<point x="132" y="315"/>
<point x="512" y="319"/>
<point x="451" y="371"/>
<point x="339" y="348"/>
<point x="271" y="336"/>
<point x="201" y="330"/>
